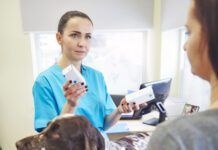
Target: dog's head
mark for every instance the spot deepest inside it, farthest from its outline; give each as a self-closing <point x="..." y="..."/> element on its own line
<point x="67" y="133"/>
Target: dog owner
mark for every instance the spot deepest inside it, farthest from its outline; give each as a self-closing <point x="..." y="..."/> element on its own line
<point x="197" y="131"/>
<point x="51" y="92"/>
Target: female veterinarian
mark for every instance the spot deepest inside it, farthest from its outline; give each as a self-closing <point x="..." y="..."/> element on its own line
<point x="51" y="91"/>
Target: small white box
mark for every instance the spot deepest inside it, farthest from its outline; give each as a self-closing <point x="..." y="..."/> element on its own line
<point x="71" y="73"/>
<point x="141" y="96"/>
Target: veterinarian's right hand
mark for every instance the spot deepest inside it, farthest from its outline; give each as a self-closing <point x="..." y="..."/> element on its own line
<point x="74" y="92"/>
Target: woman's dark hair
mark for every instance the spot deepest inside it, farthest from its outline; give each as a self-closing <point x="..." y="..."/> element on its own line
<point x="68" y="15"/>
<point x="206" y="12"/>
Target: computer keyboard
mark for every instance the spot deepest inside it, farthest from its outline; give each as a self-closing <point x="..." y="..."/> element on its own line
<point x="129" y="117"/>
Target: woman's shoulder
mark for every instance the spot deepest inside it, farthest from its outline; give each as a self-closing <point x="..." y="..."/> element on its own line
<point x="46" y="74"/>
<point x="181" y="131"/>
<point x="91" y="70"/>
<point x="197" y="124"/>
<point x="194" y="119"/>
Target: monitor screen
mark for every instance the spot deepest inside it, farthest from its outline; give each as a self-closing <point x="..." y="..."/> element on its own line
<point x="161" y="88"/>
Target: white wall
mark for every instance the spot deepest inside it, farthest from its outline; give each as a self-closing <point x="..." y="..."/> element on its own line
<point x="170" y="59"/>
<point x="43" y="15"/>
<point x="154" y="45"/>
<point x="16" y="79"/>
<point x="173" y="13"/>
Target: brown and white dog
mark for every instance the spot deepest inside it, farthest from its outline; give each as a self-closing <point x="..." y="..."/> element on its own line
<point x="70" y="132"/>
<point x="65" y="133"/>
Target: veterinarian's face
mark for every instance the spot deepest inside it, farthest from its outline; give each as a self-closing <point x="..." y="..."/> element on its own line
<point x="76" y="38"/>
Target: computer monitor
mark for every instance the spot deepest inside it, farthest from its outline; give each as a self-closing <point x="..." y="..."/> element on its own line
<point x="161" y="90"/>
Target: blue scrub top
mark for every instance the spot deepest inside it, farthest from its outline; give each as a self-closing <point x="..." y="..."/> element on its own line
<point x="49" y="98"/>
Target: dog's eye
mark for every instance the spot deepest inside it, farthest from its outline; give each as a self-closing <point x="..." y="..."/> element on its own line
<point x="54" y="127"/>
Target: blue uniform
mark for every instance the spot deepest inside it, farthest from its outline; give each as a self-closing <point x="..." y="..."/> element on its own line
<point x="49" y="97"/>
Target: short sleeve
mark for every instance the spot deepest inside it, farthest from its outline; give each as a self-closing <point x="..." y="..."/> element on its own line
<point x="110" y="106"/>
<point x="44" y="102"/>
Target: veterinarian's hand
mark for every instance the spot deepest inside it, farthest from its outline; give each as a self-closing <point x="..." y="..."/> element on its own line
<point x="125" y="107"/>
<point x="74" y="92"/>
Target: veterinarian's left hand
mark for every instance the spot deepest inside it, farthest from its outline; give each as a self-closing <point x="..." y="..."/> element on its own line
<point x="125" y="107"/>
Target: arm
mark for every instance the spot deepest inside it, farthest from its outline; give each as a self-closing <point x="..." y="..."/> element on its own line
<point x="44" y="103"/>
<point x="113" y="114"/>
<point x="114" y="117"/>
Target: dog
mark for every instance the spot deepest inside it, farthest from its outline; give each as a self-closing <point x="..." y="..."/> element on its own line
<point x="69" y="132"/>
<point x="65" y="133"/>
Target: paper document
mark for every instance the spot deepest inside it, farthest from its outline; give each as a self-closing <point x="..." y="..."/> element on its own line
<point x="119" y="128"/>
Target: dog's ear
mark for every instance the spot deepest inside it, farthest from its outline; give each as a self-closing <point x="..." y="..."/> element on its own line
<point x="100" y="139"/>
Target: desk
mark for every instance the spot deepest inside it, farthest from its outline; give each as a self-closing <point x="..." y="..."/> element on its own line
<point x="134" y="126"/>
<point x="174" y="108"/>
